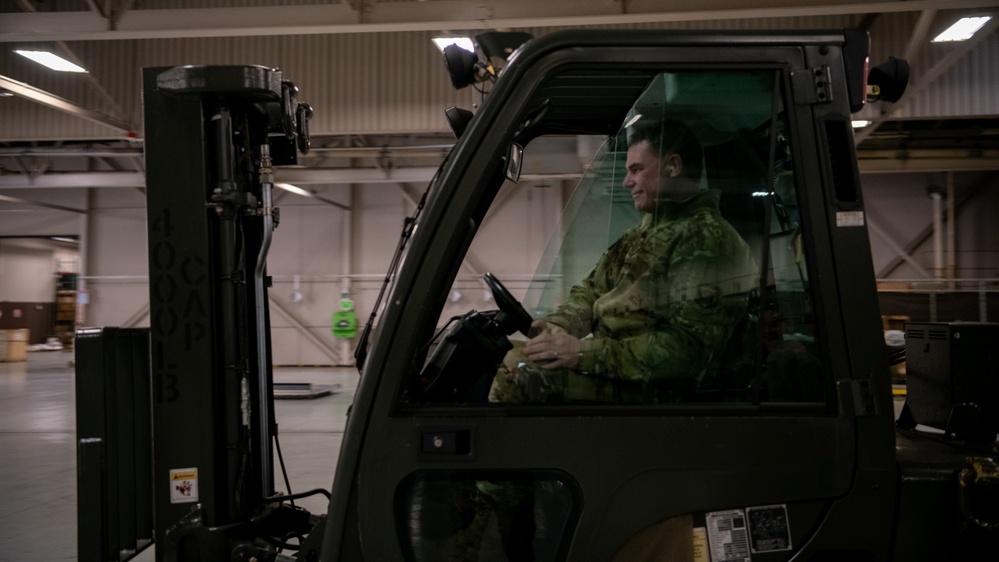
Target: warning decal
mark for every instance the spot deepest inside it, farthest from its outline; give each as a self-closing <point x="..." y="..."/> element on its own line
<point x="727" y="538"/>
<point x="768" y="528"/>
<point x="849" y="218"/>
<point x="184" y="485"/>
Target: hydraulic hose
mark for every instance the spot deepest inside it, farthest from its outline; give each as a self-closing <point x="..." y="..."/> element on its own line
<point x="260" y="299"/>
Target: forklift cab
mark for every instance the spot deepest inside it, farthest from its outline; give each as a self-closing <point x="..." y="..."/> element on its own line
<point x="776" y="438"/>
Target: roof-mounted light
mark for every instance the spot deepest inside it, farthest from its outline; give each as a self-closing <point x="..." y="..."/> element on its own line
<point x="463" y="42"/>
<point x="483" y="61"/>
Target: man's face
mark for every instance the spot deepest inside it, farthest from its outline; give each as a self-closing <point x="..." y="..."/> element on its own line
<point x="644" y="176"/>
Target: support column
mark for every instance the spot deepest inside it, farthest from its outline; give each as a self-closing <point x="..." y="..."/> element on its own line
<point x="938" y="234"/>
<point x="346" y="353"/>
<point x="951" y="259"/>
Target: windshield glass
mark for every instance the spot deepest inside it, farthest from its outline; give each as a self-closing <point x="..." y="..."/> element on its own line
<point x="596" y="215"/>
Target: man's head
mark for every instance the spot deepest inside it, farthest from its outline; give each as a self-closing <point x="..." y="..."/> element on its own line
<point x="664" y="161"/>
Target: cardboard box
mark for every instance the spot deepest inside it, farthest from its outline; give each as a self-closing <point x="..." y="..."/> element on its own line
<point x="20" y="334"/>
<point x="11" y="351"/>
<point x="14" y="345"/>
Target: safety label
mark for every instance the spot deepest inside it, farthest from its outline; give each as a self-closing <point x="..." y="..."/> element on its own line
<point x="184" y="485"/>
<point x="727" y="538"/>
<point x="849" y="218"/>
<point x="768" y="528"/>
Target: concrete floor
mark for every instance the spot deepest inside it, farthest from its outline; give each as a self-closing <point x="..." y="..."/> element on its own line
<point x="38" y="450"/>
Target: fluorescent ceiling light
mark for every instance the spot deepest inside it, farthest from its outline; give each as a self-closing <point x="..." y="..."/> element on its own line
<point x="52" y="61"/>
<point x="463" y="42"/>
<point x="294" y="189"/>
<point x="962" y="30"/>
<point x="860" y="123"/>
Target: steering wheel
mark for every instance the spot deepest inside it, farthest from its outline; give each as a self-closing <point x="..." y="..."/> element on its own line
<point x="519" y="319"/>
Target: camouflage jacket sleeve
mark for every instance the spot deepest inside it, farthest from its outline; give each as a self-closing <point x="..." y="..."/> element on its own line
<point x="663" y="301"/>
<point x="576" y="315"/>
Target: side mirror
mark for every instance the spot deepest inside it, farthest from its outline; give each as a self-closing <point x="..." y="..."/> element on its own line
<point x="302" y="115"/>
<point x="514" y="162"/>
<point x="888" y="80"/>
<point x="458" y="120"/>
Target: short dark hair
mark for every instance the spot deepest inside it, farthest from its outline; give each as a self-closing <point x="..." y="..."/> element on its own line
<point x="670" y="136"/>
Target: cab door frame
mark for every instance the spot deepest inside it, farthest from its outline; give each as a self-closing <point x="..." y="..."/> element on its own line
<point x="651" y="464"/>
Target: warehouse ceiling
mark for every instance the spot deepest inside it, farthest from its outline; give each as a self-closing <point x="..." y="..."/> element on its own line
<point x="899" y="138"/>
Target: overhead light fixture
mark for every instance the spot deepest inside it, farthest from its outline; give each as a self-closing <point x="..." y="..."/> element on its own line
<point x="293" y="189"/>
<point x="463" y="42"/>
<point x="633" y="120"/>
<point x="481" y="58"/>
<point x="860" y="123"/>
<point x="963" y="29"/>
<point x="50" y="60"/>
<point x="464" y="67"/>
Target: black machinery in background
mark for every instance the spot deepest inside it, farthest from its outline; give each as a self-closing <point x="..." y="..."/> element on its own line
<point x="212" y="135"/>
<point x="114" y="496"/>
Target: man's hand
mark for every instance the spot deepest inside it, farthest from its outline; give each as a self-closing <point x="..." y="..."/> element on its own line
<point x="553" y="346"/>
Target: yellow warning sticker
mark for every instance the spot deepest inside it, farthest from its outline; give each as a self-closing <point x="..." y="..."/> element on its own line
<point x="183" y="485"/>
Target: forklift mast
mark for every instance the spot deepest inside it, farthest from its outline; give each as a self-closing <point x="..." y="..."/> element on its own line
<point x="213" y="136"/>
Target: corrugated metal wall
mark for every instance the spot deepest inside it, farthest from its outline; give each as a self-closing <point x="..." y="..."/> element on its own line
<point x="396" y="82"/>
<point x="359" y="83"/>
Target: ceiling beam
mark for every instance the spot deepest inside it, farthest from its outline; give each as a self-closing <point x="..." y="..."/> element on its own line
<point x="927" y="165"/>
<point x="34" y="94"/>
<point x="297" y="176"/>
<point x="73" y="179"/>
<point x="869" y="162"/>
<point x="919" y="34"/>
<point x="10" y="199"/>
<point x="420" y="16"/>
<point x="874" y="161"/>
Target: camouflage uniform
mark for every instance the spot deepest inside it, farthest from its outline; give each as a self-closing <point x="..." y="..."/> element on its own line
<point x="658" y="306"/>
<point x="485" y="513"/>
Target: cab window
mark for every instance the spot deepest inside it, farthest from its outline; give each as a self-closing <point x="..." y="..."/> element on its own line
<point x="673" y="273"/>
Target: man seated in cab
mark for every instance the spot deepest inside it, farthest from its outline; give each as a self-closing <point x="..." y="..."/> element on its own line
<point x="661" y="302"/>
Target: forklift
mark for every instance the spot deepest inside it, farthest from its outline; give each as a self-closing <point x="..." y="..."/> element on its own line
<point x="781" y="442"/>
